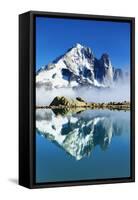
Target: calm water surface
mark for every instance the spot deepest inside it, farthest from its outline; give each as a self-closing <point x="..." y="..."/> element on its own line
<point x="92" y="144"/>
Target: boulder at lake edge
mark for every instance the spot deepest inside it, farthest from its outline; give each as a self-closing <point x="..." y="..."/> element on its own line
<point x="68" y="102"/>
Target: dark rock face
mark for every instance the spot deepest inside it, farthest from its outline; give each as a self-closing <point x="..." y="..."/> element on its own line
<point x="98" y="71"/>
<point x="103" y="69"/>
<point x="86" y="73"/>
<point x="105" y="59"/>
<point x="67" y="74"/>
<point x="118" y="74"/>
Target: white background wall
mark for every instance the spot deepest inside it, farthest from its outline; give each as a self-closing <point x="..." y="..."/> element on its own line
<point x="9" y="11"/>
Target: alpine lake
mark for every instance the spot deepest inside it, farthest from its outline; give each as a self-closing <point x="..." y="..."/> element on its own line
<point x="82" y="144"/>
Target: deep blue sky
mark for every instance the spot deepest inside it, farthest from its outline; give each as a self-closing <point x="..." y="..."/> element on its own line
<point x="55" y="36"/>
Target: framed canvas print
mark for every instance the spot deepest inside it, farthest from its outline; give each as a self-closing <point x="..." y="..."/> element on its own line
<point x="76" y="99"/>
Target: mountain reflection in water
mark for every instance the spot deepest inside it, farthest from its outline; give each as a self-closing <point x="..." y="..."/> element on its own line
<point x="78" y="131"/>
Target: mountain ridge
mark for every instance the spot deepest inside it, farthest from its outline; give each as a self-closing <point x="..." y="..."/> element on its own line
<point x="78" y="67"/>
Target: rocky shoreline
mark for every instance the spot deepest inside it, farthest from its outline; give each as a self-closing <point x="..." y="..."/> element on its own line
<point x="63" y="102"/>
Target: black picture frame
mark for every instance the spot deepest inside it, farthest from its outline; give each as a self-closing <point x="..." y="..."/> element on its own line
<point x="27" y="98"/>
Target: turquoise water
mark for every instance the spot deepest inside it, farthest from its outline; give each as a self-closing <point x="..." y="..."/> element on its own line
<point x="93" y="144"/>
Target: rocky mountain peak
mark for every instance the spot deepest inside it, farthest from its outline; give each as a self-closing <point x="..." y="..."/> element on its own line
<point x="77" y="67"/>
<point x="105" y="56"/>
<point x="105" y="59"/>
<point x="78" y="45"/>
<point x="80" y="50"/>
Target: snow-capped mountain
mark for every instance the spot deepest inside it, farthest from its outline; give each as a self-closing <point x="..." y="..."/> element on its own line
<point x="77" y="67"/>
